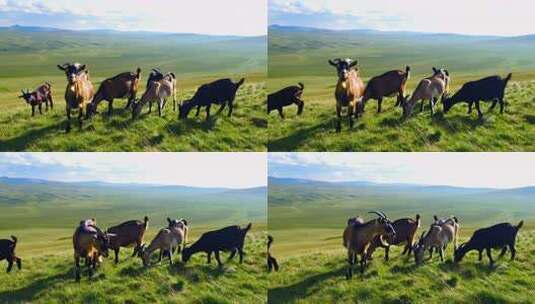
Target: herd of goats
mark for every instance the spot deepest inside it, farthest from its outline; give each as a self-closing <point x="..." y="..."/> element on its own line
<point x="92" y="243"/>
<point x="80" y="93"/>
<point x="351" y="93"/>
<point x="362" y="238"/>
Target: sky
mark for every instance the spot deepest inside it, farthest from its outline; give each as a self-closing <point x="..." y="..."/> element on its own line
<point x="226" y="170"/>
<point x="229" y="17"/>
<point x="470" y="170"/>
<point x="473" y="17"/>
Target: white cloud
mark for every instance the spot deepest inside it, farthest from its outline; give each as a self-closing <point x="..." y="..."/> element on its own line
<point x="232" y="170"/>
<point x="486" y="17"/>
<point x="230" y="17"/>
<point x="501" y="170"/>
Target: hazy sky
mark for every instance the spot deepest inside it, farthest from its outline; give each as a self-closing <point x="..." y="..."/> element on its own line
<point x="229" y="170"/>
<point x="228" y="17"/>
<point x="499" y="170"/>
<point x="480" y="17"/>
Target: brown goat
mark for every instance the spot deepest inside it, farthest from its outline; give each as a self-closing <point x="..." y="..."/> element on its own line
<point x="79" y="92"/>
<point x="124" y="85"/>
<point x="43" y="94"/>
<point x="157" y="91"/>
<point x="430" y="88"/>
<point x="167" y="240"/>
<point x="89" y="242"/>
<point x="358" y="236"/>
<point x="386" y="85"/>
<point x="349" y="89"/>
<point x="405" y="233"/>
<point x="126" y="234"/>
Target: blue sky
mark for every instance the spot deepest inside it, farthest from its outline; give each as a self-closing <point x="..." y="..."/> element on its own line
<point x="498" y="170"/>
<point x="229" y="17"/>
<point x="229" y="170"/>
<point x="474" y="17"/>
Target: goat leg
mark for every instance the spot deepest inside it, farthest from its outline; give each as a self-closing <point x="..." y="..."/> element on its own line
<point x="502" y="253"/>
<point x="230" y="109"/>
<point x="217" y="258"/>
<point x="68" y="127"/>
<point x="110" y="107"/>
<point x="116" y="250"/>
<point x="19" y="262"/>
<point x="170" y="253"/>
<point x="339" y="118"/>
<point x="480" y="255"/>
<point x="502" y="105"/>
<point x="387" y="250"/>
<point x="209" y="257"/>
<point x="41" y="108"/>
<point x="80" y="117"/>
<point x="489" y="255"/>
<point x="379" y="102"/>
<point x="281" y="114"/>
<point x="223" y="106"/>
<point x="198" y="111"/>
<point x="513" y="251"/>
<point x="232" y="254"/>
<point x="208" y="112"/>
<point x="33" y="110"/>
<point x="77" y="267"/>
<point x="240" y="251"/>
<point x="494" y="102"/>
<point x="10" y="264"/>
<point x="479" y="114"/>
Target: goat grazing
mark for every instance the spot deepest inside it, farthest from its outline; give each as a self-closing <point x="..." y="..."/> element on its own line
<point x="7" y="252"/>
<point x="230" y="238"/>
<point x="89" y="242"/>
<point x="220" y="92"/>
<point x="157" y="91"/>
<point x="124" y="85"/>
<point x="285" y="97"/>
<point x="487" y="89"/>
<point x="43" y="94"/>
<point x="453" y="221"/>
<point x="438" y="237"/>
<point x="126" y="234"/>
<point x="272" y="263"/>
<point x="79" y="92"/>
<point x="167" y="240"/>
<point x="498" y="236"/>
<point x="359" y="235"/>
<point x="385" y="85"/>
<point x="430" y="88"/>
<point x="349" y="89"/>
<point x="405" y="232"/>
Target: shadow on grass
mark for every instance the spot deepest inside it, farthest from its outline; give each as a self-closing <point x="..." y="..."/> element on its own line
<point x="29" y="292"/>
<point x="296" y="139"/>
<point x="22" y="142"/>
<point x="457" y="123"/>
<point x="530" y="119"/>
<point x="299" y="290"/>
<point x="185" y="126"/>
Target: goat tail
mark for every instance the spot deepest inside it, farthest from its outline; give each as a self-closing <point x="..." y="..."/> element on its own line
<point x="407" y="72"/>
<point x="270" y="241"/>
<point x="239" y="83"/>
<point x="138" y="72"/>
<point x="301" y="85"/>
<point x="146" y="221"/>
<point x="509" y="76"/>
<point x="519" y="225"/>
<point x="248" y="227"/>
<point x="14" y="238"/>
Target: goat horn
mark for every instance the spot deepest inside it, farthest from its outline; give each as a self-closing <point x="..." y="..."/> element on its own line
<point x="379" y="214"/>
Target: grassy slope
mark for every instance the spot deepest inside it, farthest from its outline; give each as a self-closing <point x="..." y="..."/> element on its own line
<point x="307" y="222"/>
<point x="319" y="278"/>
<point x="43" y="217"/>
<point x="302" y="57"/>
<point x="27" y="59"/>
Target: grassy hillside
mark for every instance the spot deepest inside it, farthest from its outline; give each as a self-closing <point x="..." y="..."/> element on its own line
<point x="28" y="57"/>
<point x="300" y="55"/>
<point x="307" y="219"/>
<point x="319" y="277"/>
<point x="44" y="214"/>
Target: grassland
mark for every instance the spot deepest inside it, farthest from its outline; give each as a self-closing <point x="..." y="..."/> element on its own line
<point x="300" y="55"/>
<point x="29" y="57"/>
<point x="43" y="216"/>
<point x="307" y="221"/>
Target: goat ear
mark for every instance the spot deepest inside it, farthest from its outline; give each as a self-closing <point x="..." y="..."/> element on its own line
<point x="169" y="221"/>
<point x="63" y="68"/>
<point x="434" y="70"/>
<point x="82" y="67"/>
<point x="354" y="63"/>
<point x="332" y="63"/>
<point x="447" y="73"/>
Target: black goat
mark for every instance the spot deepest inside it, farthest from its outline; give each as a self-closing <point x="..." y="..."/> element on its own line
<point x="498" y="236"/>
<point x="285" y="97"/>
<point x="272" y="263"/>
<point x="487" y="89"/>
<point x="220" y="92"/>
<point x="7" y="252"/>
<point x="227" y="239"/>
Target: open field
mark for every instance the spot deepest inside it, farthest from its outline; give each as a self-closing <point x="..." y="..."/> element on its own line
<point x="43" y="215"/>
<point x="307" y="219"/>
<point x="300" y="55"/>
<point x="29" y="57"/>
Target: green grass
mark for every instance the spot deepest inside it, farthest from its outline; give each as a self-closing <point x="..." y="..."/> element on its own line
<point x="319" y="277"/>
<point x="44" y="215"/>
<point x="301" y="56"/>
<point x="49" y="278"/>
<point x="28" y="59"/>
<point x="307" y="220"/>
